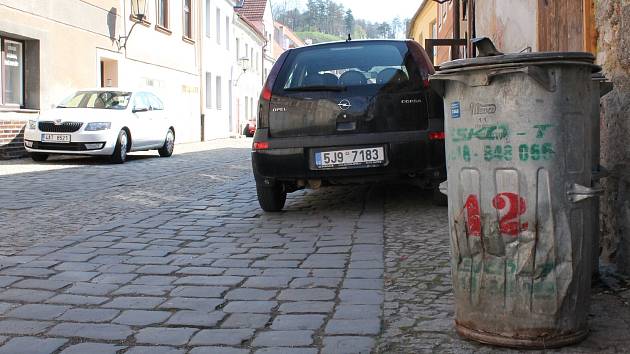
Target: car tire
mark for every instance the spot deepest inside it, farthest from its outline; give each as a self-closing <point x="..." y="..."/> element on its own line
<point x="271" y="198"/>
<point x="120" y="152"/>
<point x="439" y="198"/>
<point x="39" y="157"/>
<point x="169" y="144"/>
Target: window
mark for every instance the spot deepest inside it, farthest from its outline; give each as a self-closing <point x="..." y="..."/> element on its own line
<point x="227" y="32"/>
<point x="218" y="88"/>
<point x="257" y="63"/>
<point x="208" y="90"/>
<point x="162" y="13"/>
<point x="238" y="49"/>
<point x="155" y="104"/>
<point x="246" y="108"/>
<point x="218" y="26"/>
<point x="187" y="19"/>
<point x="11" y="73"/>
<point x="251" y="58"/>
<point x="208" y="16"/>
<point x="251" y="108"/>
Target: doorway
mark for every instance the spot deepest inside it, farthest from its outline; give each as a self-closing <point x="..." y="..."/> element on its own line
<point x="109" y="73"/>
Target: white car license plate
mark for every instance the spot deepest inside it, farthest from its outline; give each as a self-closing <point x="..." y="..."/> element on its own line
<point x="55" y="138"/>
<point x="374" y="156"/>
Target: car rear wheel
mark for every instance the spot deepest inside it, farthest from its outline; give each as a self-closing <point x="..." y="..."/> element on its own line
<point x="271" y="198"/>
<point x="169" y="144"/>
<point x="120" y="152"/>
<point x="39" y="157"/>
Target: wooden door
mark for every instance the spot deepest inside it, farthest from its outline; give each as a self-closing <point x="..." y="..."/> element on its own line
<point x="566" y="25"/>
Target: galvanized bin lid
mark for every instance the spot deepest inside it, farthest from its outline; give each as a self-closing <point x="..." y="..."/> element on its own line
<point x="520" y="58"/>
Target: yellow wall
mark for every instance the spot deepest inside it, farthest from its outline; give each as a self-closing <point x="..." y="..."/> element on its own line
<point x="421" y="25"/>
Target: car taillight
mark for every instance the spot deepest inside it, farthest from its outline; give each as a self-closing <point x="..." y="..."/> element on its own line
<point x="261" y="145"/>
<point x="437" y="136"/>
<point x="266" y="94"/>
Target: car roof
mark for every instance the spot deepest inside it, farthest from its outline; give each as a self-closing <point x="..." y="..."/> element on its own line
<point x="117" y="89"/>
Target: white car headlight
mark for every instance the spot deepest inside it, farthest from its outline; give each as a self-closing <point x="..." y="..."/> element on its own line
<point x="32" y="124"/>
<point x="98" y="126"/>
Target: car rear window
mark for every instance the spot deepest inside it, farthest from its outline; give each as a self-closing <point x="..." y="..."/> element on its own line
<point x="348" y="66"/>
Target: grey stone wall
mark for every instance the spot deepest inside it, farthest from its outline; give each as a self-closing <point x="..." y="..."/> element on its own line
<point x="613" y="22"/>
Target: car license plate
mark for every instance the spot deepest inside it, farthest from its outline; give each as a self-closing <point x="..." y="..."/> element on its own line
<point x="365" y="157"/>
<point x="55" y="138"/>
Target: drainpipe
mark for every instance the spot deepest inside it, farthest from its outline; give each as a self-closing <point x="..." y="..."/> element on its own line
<point x="456" y="33"/>
<point x="202" y="89"/>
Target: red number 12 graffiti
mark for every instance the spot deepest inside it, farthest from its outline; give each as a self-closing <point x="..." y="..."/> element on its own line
<point x="510" y="205"/>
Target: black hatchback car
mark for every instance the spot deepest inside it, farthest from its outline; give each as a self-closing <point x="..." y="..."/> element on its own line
<point x="344" y="113"/>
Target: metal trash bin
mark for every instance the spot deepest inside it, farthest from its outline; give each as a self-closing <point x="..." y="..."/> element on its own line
<point x="519" y="162"/>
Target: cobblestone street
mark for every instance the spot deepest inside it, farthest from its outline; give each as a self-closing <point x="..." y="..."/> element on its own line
<point x="174" y="255"/>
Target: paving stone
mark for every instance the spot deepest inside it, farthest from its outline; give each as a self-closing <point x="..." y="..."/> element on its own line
<point x="141" y="317"/>
<point x="5" y="306"/>
<point x="109" y="269"/>
<point x="231" y="263"/>
<point x="155" y="350"/>
<point x="199" y="291"/>
<point x="314" y="294"/>
<point x="279" y="350"/>
<point x="358" y="327"/>
<point x="373" y="284"/>
<point x="22" y="327"/>
<point x="195" y="318"/>
<point x="298" y="322"/>
<point x="92" y="348"/>
<point x="148" y="290"/>
<point x="74" y="276"/>
<point x="114" y="278"/>
<point x="222" y="336"/>
<point x="250" y="306"/>
<point x="28" y="272"/>
<point x="72" y="299"/>
<point x="91" y="289"/>
<point x="131" y="302"/>
<point x="32" y="345"/>
<point x="37" y="312"/>
<point x="89" y="315"/>
<point x="157" y="269"/>
<point x="26" y="295"/>
<point x="267" y="282"/>
<point x="315" y="283"/>
<point x="275" y="264"/>
<point x="355" y="312"/>
<point x="209" y="280"/>
<point x="6" y="280"/>
<point x="250" y="294"/>
<point x="246" y="320"/>
<point x="348" y="345"/>
<point x="364" y="273"/>
<point x="164" y="336"/>
<point x="100" y="331"/>
<point x="307" y="307"/>
<point x="154" y="280"/>
<point x="43" y="284"/>
<point x="361" y="297"/>
<point x="198" y="304"/>
<point x="218" y="350"/>
<point x="283" y="339"/>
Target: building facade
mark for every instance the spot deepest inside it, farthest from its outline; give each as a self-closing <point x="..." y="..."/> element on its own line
<point x="51" y="49"/>
<point x="284" y="39"/>
<point x="423" y="24"/>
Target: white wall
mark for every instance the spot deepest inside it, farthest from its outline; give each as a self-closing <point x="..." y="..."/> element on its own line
<point x="219" y="58"/>
<point x="249" y="84"/>
<point x="511" y="24"/>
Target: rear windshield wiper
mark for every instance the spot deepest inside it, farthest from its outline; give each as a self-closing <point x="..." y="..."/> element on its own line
<point x="317" y="88"/>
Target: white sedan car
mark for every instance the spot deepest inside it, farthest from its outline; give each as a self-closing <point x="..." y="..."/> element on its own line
<point x="106" y="122"/>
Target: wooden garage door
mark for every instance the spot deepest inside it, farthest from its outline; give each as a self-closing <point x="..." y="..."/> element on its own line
<point x="561" y="25"/>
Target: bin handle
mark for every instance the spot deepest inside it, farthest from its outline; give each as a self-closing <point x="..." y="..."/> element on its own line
<point x="577" y="192"/>
<point x="540" y="75"/>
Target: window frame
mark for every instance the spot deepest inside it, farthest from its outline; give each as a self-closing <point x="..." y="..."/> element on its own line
<point x="167" y="16"/>
<point x="208" y="18"/>
<point x="218" y="92"/>
<point x="187" y="32"/>
<point x="218" y="25"/>
<point x="208" y="90"/>
<point x="227" y="32"/>
<point x="3" y="76"/>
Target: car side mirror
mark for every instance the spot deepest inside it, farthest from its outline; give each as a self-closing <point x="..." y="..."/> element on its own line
<point x="137" y="109"/>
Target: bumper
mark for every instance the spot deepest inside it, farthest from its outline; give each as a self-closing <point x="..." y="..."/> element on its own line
<point x="81" y="143"/>
<point x="408" y="153"/>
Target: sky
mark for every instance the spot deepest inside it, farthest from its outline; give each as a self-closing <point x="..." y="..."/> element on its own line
<point x="375" y="10"/>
